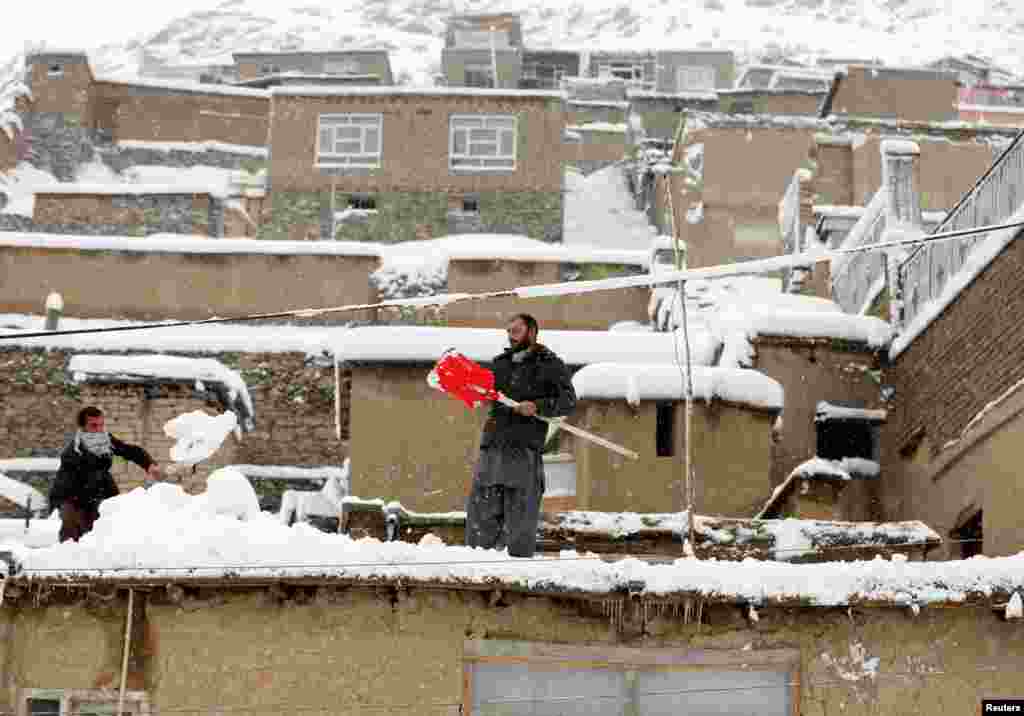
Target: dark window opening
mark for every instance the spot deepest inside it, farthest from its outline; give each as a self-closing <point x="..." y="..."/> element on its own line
<point x="359" y="201"/>
<point x="55" y="71"/>
<point x="969" y="537"/>
<point x="44" y="707"/>
<point x="846" y="438"/>
<point x="471" y="204"/>
<point x="664" y="430"/>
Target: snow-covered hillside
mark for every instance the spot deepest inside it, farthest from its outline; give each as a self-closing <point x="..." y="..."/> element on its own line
<point x="897" y="31"/>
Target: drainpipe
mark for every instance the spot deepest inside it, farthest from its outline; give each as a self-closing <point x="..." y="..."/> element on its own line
<point x="127" y="648"/>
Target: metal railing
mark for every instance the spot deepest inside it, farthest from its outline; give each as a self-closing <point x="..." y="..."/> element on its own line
<point x="789" y="215"/>
<point x="995" y="197"/>
<point x="854" y="275"/>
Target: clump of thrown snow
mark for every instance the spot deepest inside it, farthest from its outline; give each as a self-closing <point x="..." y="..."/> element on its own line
<point x="198" y="435"/>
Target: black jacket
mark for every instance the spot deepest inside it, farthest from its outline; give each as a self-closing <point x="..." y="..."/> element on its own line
<point x="85" y="479"/>
<point x="541" y="377"/>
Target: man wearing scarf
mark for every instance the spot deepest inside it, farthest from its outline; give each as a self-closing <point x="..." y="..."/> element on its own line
<point x="84" y="480"/>
<point x="504" y="506"/>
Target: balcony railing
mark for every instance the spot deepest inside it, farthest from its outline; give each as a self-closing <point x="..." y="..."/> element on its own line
<point x="996" y="196"/>
<point x="854" y="275"/>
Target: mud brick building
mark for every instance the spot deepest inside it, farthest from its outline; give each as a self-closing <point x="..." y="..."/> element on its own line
<point x="419" y="160"/>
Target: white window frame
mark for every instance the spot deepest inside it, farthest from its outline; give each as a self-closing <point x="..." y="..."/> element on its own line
<point x="548" y="657"/>
<point x="137" y="702"/>
<point x="340" y="160"/>
<point x="704" y="75"/>
<point x="467" y="161"/>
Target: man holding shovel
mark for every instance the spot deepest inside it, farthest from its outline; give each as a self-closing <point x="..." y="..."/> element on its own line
<point x="504" y="505"/>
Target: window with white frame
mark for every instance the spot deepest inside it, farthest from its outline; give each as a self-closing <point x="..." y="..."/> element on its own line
<point x="482" y="142"/>
<point x="586" y="680"/>
<point x="80" y="702"/>
<point x="695" y="78"/>
<point x="349" y="140"/>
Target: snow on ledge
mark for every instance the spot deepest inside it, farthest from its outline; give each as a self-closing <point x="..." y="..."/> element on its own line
<point x="394" y="90"/>
<point x="899" y="146"/>
<point x="828" y="411"/>
<point x="199" y="370"/>
<point x="260" y="152"/>
<point x="30" y="464"/>
<point x="818" y="468"/>
<point x="176" y="243"/>
<point x="990" y="109"/>
<point x="129" y="189"/>
<point x="163" y="533"/>
<point x="665" y="381"/>
<point x="617" y="127"/>
<point x="21" y="494"/>
<point x="425" y="344"/>
<point x="184" y="86"/>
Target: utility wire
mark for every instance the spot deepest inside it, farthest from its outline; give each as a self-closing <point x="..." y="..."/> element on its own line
<point x="707" y="272"/>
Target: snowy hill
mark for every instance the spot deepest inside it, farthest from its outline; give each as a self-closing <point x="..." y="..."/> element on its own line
<point x="897" y="31"/>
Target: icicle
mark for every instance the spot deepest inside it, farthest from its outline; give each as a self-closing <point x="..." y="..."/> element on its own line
<point x="688" y="611"/>
<point x="700" y="612"/>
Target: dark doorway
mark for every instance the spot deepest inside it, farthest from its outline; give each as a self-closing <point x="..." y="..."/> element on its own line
<point x="969" y="536"/>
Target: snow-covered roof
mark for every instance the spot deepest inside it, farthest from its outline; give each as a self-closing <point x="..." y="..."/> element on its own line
<point x="185" y="86"/>
<point x="130" y="189"/>
<point x="85" y="367"/>
<point x="618" y="127"/>
<point x="163" y="534"/>
<point x="174" y="243"/>
<point x="818" y="468"/>
<point x="21" y="494"/>
<point x="990" y="108"/>
<point x="635" y="382"/>
<point x="260" y="152"/>
<point x="706" y="96"/>
<point x="391" y="91"/>
<point x="615" y="104"/>
<point x="425" y="344"/>
<point x="828" y="411"/>
<point x="508" y="247"/>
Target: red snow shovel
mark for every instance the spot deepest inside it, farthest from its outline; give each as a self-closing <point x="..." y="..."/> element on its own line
<point x="471" y="383"/>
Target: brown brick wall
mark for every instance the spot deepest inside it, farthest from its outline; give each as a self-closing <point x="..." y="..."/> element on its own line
<point x="294" y="405"/>
<point x="811" y="370"/>
<point x="596" y="147"/>
<point x="100" y="209"/>
<point x="415" y="143"/>
<point x="146" y="114"/>
<point x="926" y="100"/>
<point x="833" y="180"/>
<point x="69" y="94"/>
<point x="8" y="153"/>
<point x="589" y="311"/>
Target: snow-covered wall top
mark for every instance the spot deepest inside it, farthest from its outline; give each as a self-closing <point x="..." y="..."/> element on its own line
<point x="21" y="494"/>
<point x="173" y="243"/>
<point x="259" y="152"/>
<point x="184" y="86"/>
<point x="922" y="131"/>
<point x="30" y="464"/>
<point x="391" y="91"/>
<point x="422" y="344"/>
<point x="635" y="382"/>
<point x="85" y="366"/>
<point x="130" y="189"/>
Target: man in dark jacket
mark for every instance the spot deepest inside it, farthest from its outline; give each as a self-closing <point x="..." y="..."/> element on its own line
<point x="84" y="480"/>
<point x="504" y="505"/>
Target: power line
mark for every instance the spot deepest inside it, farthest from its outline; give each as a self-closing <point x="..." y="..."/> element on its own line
<point x="544" y="290"/>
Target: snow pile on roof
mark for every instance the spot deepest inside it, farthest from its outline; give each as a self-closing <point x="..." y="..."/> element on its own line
<point x="84" y="367"/>
<point x="19" y="184"/>
<point x="727" y="309"/>
<point x="21" y="494"/>
<point x="665" y="381"/>
<point x="175" y="243"/>
<point x="425" y="344"/>
<point x="327" y="502"/>
<point x="601" y="211"/>
<point x="842" y="470"/>
<point x="66" y="188"/>
<point x="198" y="435"/>
<point x="38" y="533"/>
<point x="164" y="533"/>
<point x="257" y="152"/>
<point x="312" y="340"/>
